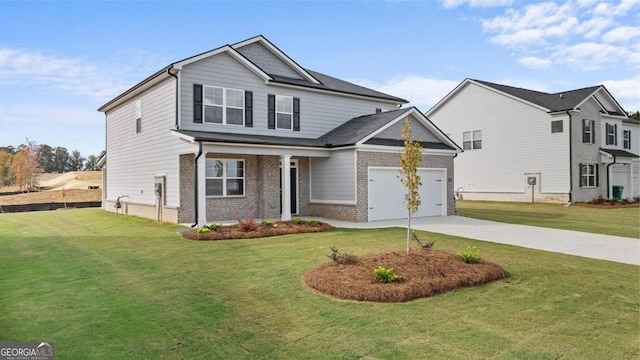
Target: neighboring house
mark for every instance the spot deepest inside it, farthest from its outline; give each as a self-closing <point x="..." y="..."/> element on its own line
<point x="524" y="145"/>
<point x="244" y="130"/>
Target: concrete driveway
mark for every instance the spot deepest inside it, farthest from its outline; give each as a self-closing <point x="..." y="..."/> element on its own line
<point x="603" y="247"/>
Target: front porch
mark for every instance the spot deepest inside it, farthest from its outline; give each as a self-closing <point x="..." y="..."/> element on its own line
<point x="621" y="171"/>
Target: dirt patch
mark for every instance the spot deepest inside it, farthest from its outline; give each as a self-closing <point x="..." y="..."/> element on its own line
<point x="231" y="232"/>
<point x="424" y="273"/>
<point x="40" y="197"/>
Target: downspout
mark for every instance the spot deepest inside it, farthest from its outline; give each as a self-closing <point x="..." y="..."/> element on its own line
<point x="195" y="182"/>
<point x="174" y="76"/>
<point x="570" y="159"/>
<point x="608" y="166"/>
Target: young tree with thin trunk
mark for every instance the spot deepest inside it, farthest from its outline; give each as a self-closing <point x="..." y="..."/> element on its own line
<point x="410" y="158"/>
<point x="24" y="165"/>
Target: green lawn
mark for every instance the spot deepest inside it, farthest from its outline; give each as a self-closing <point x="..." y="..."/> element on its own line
<point x="619" y="222"/>
<point x="108" y="286"/>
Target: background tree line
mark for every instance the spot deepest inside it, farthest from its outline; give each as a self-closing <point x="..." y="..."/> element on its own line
<point x="19" y="165"/>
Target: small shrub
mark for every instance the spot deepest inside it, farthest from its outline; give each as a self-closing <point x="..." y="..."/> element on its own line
<point x="342" y="258"/>
<point x="248" y="225"/>
<point x="471" y="256"/>
<point x="312" y="222"/>
<point x="425" y="246"/>
<point x="386" y="275"/>
<point x="267" y="222"/>
<point x="636" y="199"/>
<point x="203" y="230"/>
<point x="296" y="221"/>
<point x="213" y="226"/>
<point x="599" y="200"/>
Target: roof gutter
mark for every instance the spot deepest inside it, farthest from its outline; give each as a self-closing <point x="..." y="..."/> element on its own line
<point x="177" y="102"/>
<point x="195" y="182"/>
<point x="608" y="166"/>
<point x="570" y="159"/>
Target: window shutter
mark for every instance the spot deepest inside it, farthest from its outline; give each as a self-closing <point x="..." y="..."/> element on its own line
<point x="585" y="139"/>
<point x="271" y="119"/>
<point x="597" y="175"/>
<point x="248" y="109"/>
<point x="582" y="178"/>
<point x="296" y="114"/>
<point x="378" y="110"/>
<point x="615" y="134"/>
<point x="197" y="103"/>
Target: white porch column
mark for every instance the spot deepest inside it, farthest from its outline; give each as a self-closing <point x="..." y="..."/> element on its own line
<point x="285" y="188"/>
<point x="202" y="192"/>
<point x="630" y="183"/>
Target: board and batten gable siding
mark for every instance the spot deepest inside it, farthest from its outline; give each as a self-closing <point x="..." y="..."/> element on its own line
<point x="516" y="139"/>
<point x="333" y="179"/>
<point x="418" y="131"/>
<point x="267" y="61"/>
<point x="134" y="159"/>
<point x="319" y="112"/>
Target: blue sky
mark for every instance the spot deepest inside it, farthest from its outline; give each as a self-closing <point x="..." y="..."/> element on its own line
<point x="60" y="61"/>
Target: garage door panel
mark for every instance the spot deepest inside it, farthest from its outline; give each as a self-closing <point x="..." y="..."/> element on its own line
<point x="386" y="194"/>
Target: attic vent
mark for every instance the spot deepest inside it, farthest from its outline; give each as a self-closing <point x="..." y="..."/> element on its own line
<point x="560" y="96"/>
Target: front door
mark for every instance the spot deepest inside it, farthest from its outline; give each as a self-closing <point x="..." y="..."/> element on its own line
<point x="294" y="187"/>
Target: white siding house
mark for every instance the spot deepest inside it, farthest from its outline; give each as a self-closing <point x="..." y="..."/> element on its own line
<point x="244" y="130"/>
<point x="524" y="145"/>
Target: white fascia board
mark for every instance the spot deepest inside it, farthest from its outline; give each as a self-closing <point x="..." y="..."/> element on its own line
<point x="251" y="149"/>
<point x="397" y="150"/>
<point x="601" y="89"/>
<point x="281" y="55"/>
<point x="184" y="137"/>
<point x="421" y="119"/>
<point x="447" y="97"/>
<point x="136" y="90"/>
<point x="487" y="87"/>
<point x="335" y="93"/>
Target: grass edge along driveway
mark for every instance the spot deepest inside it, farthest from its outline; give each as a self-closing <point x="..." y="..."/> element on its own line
<point x="618" y="222"/>
<point x="101" y="285"/>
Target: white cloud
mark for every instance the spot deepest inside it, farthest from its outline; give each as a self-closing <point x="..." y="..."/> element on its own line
<point x="626" y="92"/>
<point x="534" y="62"/>
<point x="582" y="34"/>
<point x="448" y="4"/>
<point x="19" y="67"/>
<point x="49" y="116"/>
<point x="422" y="92"/>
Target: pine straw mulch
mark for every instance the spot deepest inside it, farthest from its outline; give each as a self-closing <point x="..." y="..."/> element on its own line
<point x="424" y="273"/>
<point x="231" y="232"/>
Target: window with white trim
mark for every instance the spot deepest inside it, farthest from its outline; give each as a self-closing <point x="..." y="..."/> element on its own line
<point x="223" y="106"/>
<point x="284" y="112"/>
<point x="626" y="139"/>
<point x="612" y="134"/>
<point x="588" y="131"/>
<point x="472" y="140"/>
<point x="588" y="175"/>
<point x="138" y="105"/>
<point x="224" y="177"/>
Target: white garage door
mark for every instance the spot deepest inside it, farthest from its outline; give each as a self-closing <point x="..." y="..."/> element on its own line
<point x="386" y="194"/>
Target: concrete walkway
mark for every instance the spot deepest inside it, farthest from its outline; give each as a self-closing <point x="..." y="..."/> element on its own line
<point x="603" y="247"/>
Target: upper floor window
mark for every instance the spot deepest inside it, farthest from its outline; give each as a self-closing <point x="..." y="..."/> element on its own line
<point x="626" y="139"/>
<point x="556" y="126"/>
<point x="224" y="177"/>
<point x="588" y="175"/>
<point x="223" y="106"/>
<point x="283" y="112"/>
<point x="588" y="131"/>
<point x="138" y="116"/>
<point x="218" y="105"/>
<point x="612" y="134"/>
<point x="472" y="140"/>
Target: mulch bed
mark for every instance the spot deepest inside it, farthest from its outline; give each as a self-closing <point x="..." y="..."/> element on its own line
<point x="607" y="205"/>
<point x="424" y="273"/>
<point x="231" y="232"/>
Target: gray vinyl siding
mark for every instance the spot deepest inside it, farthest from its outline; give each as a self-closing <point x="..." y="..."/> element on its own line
<point x="334" y="179"/>
<point x="319" y="112"/>
<point x="134" y="159"/>
<point x="267" y="61"/>
<point x="418" y="131"/>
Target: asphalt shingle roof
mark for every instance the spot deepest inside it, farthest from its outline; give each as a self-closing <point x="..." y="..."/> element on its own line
<point x="620" y="153"/>
<point x="561" y="101"/>
<point x="360" y="127"/>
